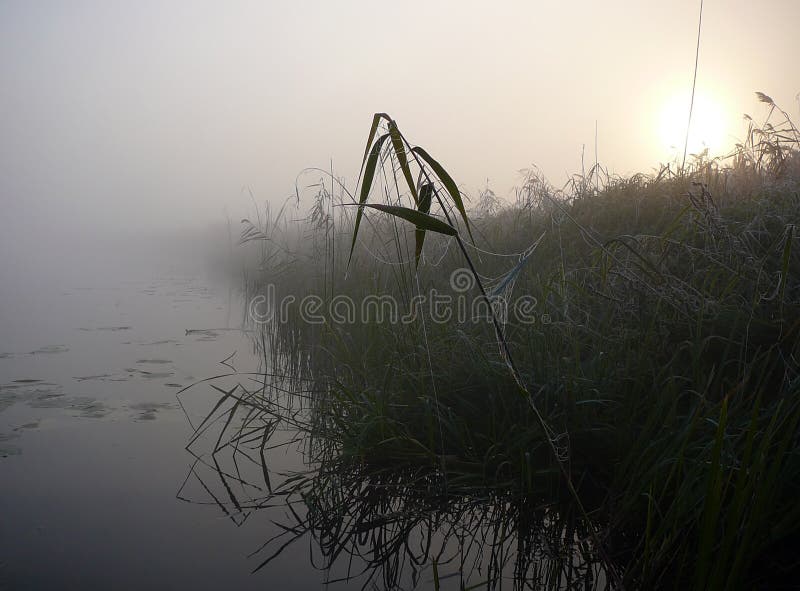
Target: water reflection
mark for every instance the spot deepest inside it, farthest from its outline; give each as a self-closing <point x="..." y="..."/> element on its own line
<point x="373" y="526"/>
<point x="92" y="438"/>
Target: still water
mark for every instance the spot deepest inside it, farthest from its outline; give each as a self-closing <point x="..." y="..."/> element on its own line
<point x="109" y="364"/>
<point x="92" y="435"/>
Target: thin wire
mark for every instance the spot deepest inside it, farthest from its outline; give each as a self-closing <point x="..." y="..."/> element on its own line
<point x="694" y="84"/>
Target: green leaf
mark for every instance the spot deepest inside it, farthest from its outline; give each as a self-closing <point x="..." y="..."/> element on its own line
<point x="419" y="219"/>
<point x="448" y="183"/>
<point x="400" y="149"/>
<point x="376" y="120"/>
<point x="425" y="198"/>
<point x="366" y="185"/>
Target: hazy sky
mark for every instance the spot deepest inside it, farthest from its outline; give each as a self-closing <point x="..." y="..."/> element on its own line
<point x="124" y="115"/>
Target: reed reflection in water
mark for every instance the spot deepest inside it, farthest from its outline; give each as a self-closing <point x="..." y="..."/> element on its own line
<point x="265" y="450"/>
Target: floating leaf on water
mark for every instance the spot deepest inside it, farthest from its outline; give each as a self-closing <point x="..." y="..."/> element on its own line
<point x="151" y="406"/>
<point x="89" y="408"/>
<point x="8" y="399"/>
<point x="50" y="349"/>
<point x="152" y="375"/>
<point x="147" y="410"/>
<point x="47" y="399"/>
<point x="203" y="331"/>
<point x="97" y="377"/>
<point x="149" y="374"/>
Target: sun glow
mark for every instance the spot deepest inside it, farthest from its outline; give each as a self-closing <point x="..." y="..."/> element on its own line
<point x="708" y="125"/>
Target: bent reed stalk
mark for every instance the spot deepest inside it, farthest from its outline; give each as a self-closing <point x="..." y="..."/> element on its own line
<point x="424" y="224"/>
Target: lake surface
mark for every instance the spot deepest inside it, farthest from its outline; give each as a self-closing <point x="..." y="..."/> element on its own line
<point x="92" y="436"/>
<point x="98" y="489"/>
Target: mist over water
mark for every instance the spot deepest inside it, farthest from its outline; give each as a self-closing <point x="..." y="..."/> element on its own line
<point x="95" y="345"/>
<point x="136" y="137"/>
<point x="122" y="119"/>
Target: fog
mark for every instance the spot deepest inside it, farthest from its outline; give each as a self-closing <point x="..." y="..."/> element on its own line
<point x="122" y="121"/>
<point x="147" y="409"/>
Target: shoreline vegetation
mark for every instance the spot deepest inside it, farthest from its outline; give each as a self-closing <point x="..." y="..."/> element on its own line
<point x="639" y="431"/>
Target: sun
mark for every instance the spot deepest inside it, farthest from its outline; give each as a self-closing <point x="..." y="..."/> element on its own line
<point x="708" y="125"/>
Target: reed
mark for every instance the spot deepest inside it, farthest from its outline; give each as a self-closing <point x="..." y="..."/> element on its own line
<point x="653" y="399"/>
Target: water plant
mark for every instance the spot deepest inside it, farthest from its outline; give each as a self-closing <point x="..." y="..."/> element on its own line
<point x="652" y="403"/>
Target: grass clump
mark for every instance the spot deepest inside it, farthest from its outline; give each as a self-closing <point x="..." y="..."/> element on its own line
<point x="649" y="392"/>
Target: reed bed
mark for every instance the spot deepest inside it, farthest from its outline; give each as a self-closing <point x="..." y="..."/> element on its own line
<point x="650" y="398"/>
